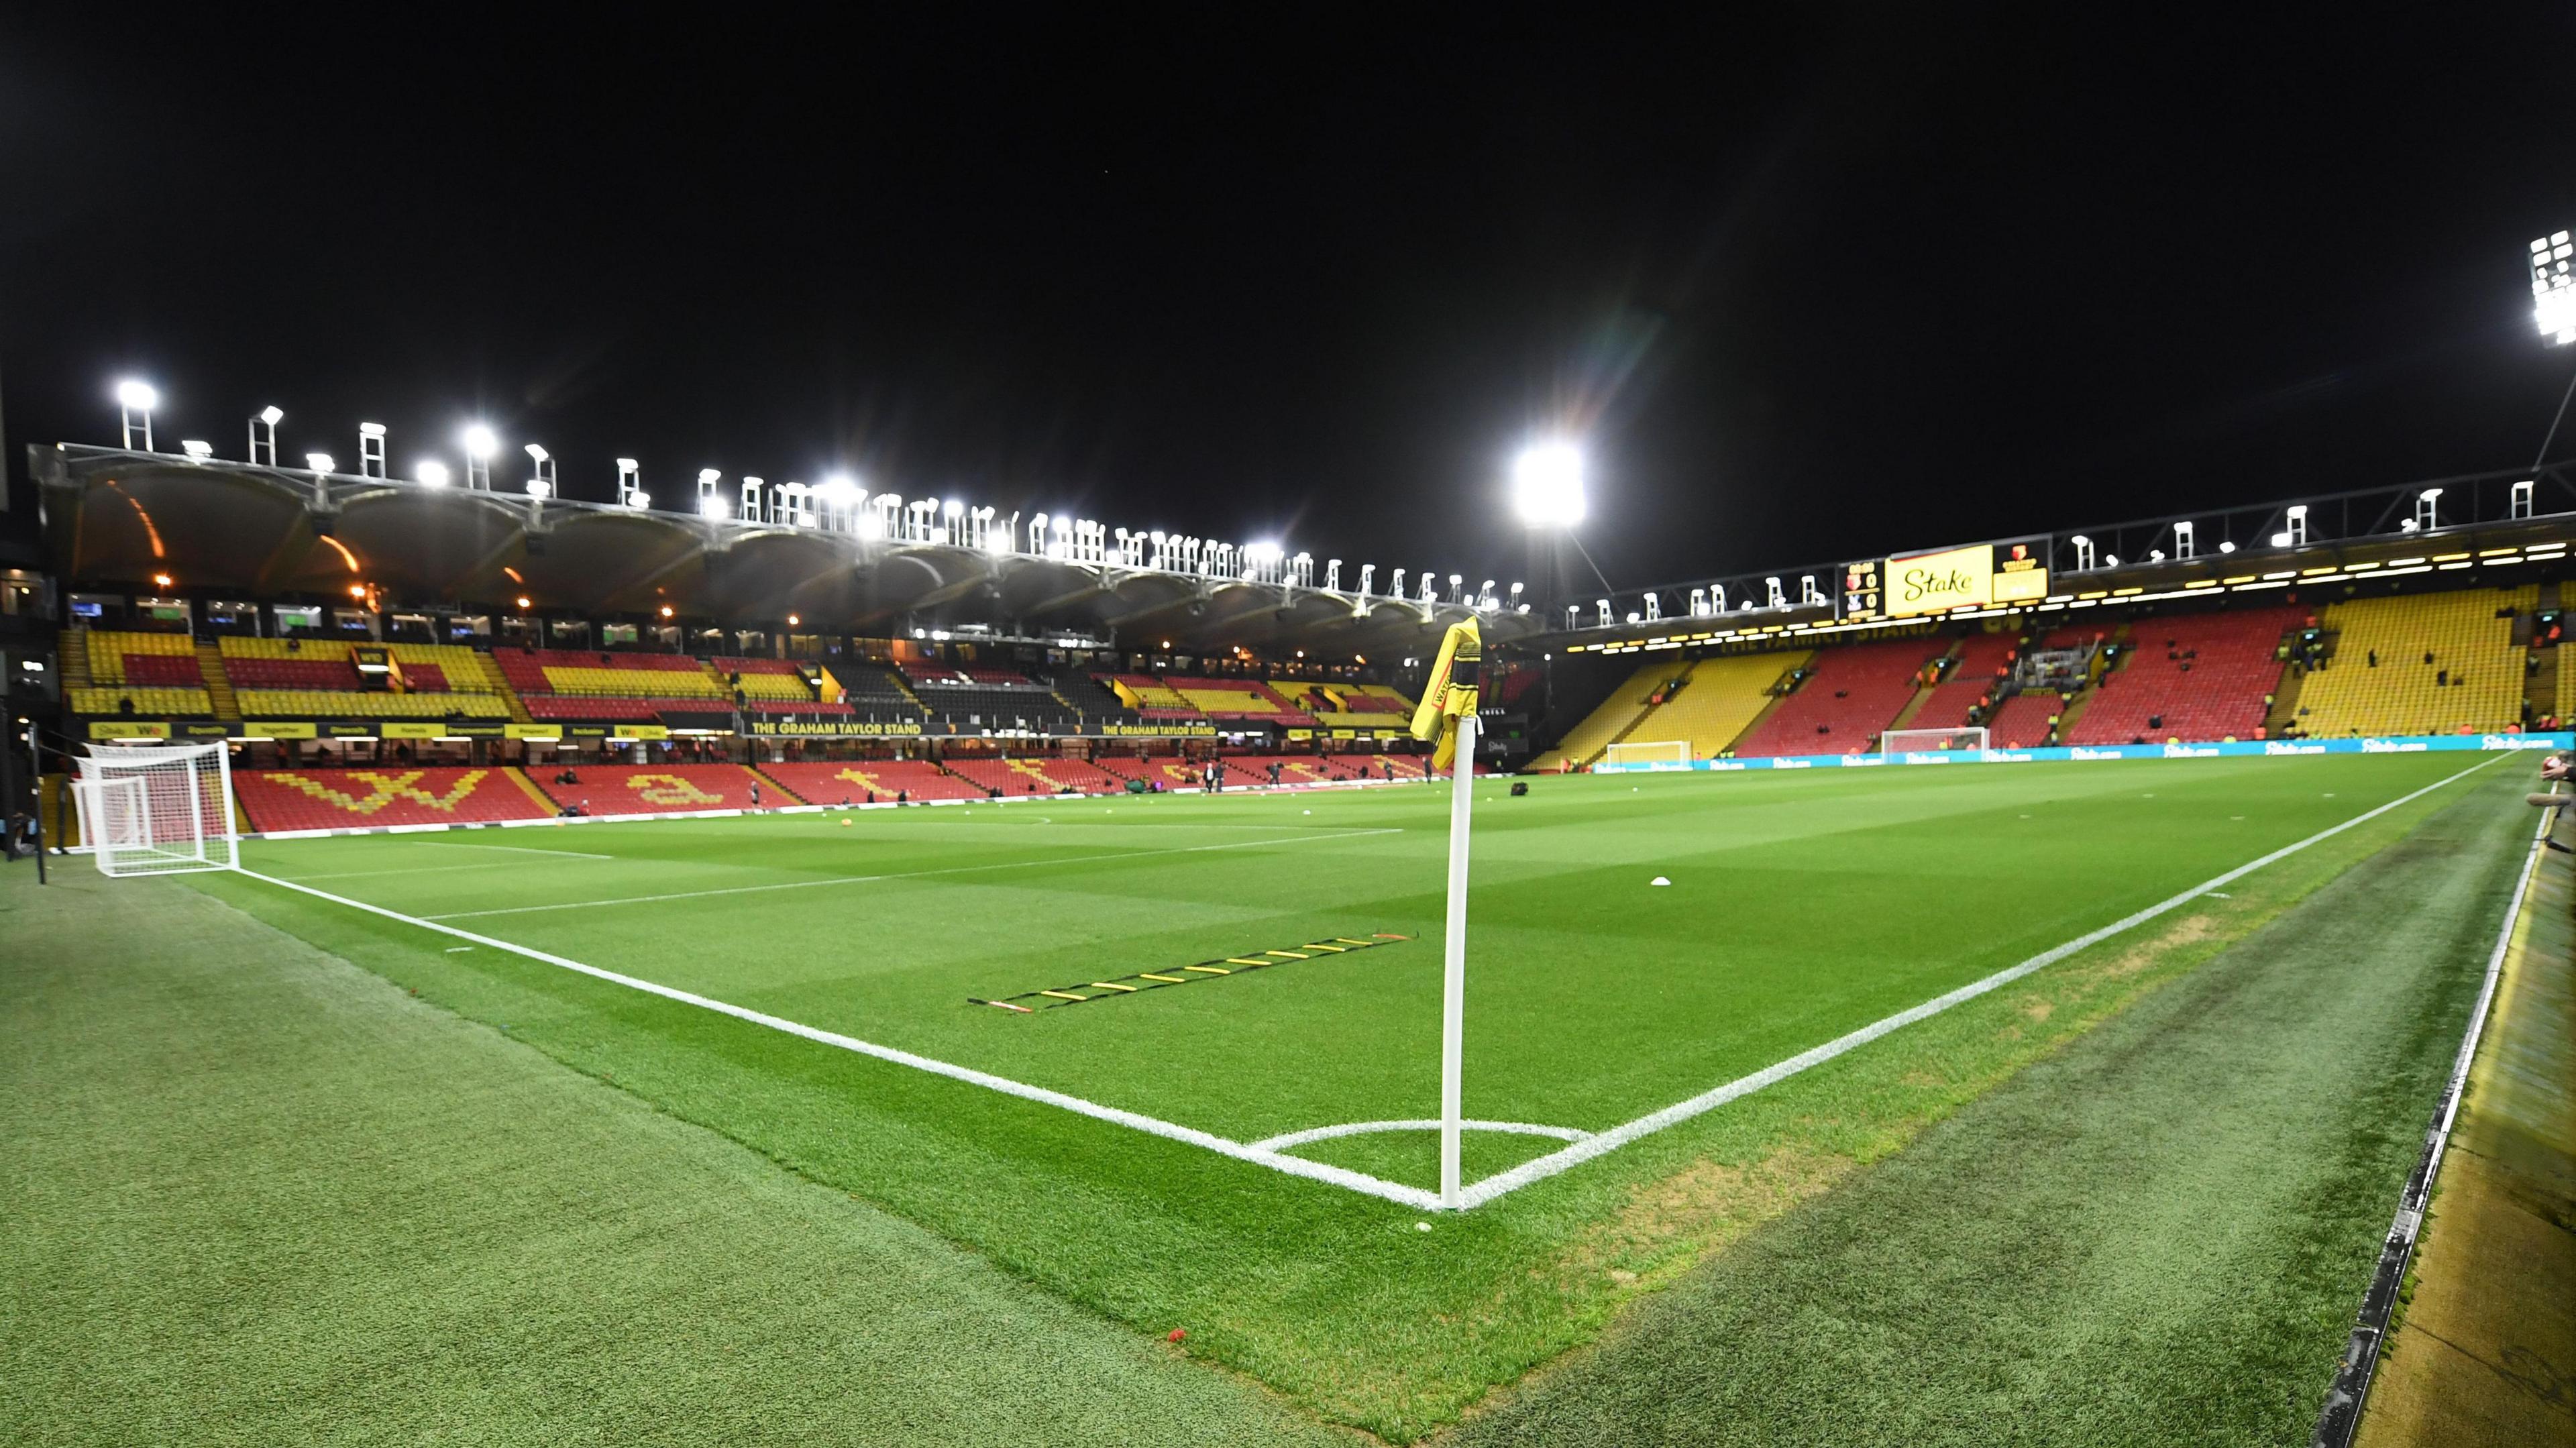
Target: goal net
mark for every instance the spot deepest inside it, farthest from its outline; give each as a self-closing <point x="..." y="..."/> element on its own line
<point x="1931" y="741"/>
<point x="1659" y="751"/>
<point x="158" y="809"/>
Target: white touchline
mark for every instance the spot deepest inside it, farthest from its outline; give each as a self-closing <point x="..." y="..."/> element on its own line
<point x="1270" y="1152"/>
<point x="1541" y="1168"/>
<point x="904" y="875"/>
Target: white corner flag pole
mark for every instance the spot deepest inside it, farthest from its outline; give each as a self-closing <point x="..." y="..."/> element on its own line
<point x="1453" y="979"/>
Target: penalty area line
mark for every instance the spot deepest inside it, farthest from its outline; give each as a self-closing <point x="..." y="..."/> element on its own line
<point x="1605" y="1142"/>
<point x="1258" y="1155"/>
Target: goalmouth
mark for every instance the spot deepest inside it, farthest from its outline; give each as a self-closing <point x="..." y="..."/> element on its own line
<point x="1657" y="753"/>
<point x="1896" y="743"/>
<point x="157" y="809"/>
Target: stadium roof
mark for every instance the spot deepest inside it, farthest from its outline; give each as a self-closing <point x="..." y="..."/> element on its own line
<point x="113" y="517"/>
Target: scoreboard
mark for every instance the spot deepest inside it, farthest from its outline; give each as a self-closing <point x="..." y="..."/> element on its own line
<point x="1984" y="575"/>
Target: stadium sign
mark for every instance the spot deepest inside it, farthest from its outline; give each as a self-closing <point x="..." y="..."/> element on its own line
<point x="2228" y="749"/>
<point x="1984" y="575"/>
<point x="128" y="729"/>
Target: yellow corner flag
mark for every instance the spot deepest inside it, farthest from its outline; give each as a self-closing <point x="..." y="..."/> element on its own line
<point x="1451" y="692"/>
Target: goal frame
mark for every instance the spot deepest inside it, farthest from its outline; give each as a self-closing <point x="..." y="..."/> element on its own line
<point x="160" y="809"/>
<point x="1942" y="741"/>
<point x="1680" y="755"/>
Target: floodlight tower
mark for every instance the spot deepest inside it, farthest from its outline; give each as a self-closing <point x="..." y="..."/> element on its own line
<point x="371" y="450"/>
<point x="479" y="445"/>
<point x="135" y="400"/>
<point x="2553" y="306"/>
<point x="263" y="435"/>
<point x="630" y="485"/>
<point x="541" y="472"/>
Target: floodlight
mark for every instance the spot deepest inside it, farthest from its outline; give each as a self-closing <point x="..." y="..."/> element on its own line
<point x="639" y="499"/>
<point x="2111" y="559"/>
<point x="272" y="416"/>
<point x="1264" y="552"/>
<point x="539" y="488"/>
<point x="708" y="476"/>
<point x="2081" y="541"/>
<point x="371" y="429"/>
<point x="318" y="462"/>
<point x="196" y="450"/>
<point x="137" y="395"/>
<point x="713" y="506"/>
<point x="2553" y="287"/>
<point x="2226" y="547"/>
<point x="480" y="443"/>
<point x="2280" y="540"/>
<point x="1547" y="484"/>
<point x="431" y="472"/>
<point x="538" y="453"/>
<point x="953" y="508"/>
<point x="523" y="600"/>
<point x="2298" y="510"/>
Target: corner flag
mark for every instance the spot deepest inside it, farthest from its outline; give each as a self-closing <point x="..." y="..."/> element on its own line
<point x="1448" y="714"/>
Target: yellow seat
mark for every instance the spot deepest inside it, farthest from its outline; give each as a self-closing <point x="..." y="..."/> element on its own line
<point x="2474" y="680"/>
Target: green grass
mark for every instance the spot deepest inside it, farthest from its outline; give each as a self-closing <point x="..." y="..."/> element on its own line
<point x="256" y="1196"/>
<point x="1802" y="906"/>
<point x="2159" y="1236"/>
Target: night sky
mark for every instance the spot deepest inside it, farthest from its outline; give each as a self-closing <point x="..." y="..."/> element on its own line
<point x="1816" y="285"/>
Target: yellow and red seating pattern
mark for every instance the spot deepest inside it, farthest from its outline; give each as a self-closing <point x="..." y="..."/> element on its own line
<point x="1149" y="697"/>
<point x="763" y="680"/>
<point x="1238" y="699"/>
<point x="352" y="704"/>
<point x="339" y="799"/>
<point x="851" y="781"/>
<point x="536" y="672"/>
<point x="556" y="708"/>
<point x="1037" y="776"/>
<point x="623" y="789"/>
<point x="114" y="657"/>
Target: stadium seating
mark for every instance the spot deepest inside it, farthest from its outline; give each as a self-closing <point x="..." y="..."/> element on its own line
<point x="1151" y="697"/>
<point x="352" y="704"/>
<point x="600" y="675"/>
<point x="326" y="799"/>
<point x="1983" y="657"/>
<point x="1091" y="699"/>
<point x="164" y="660"/>
<point x="614" y="789"/>
<point x="565" y="709"/>
<point x="1854" y="692"/>
<point x="2022" y="722"/>
<point x="849" y="782"/>
<point x="765" y="680"/>
<point x="2190" y="676"/>
<point x="1242" y="699"/>
<point x="155" y="702"/>
<point x="2473" y="679"/>
<point x="1036" y="776"/>
<point x="1719" y="699"/>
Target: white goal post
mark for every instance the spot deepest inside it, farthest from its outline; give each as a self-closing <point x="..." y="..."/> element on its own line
<point x="157" y="809"/>
<point x="1655" y="751"/>
<point x="1931" y="741"/>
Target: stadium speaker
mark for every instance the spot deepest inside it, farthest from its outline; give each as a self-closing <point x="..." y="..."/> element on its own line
<point x="1519" y="787"/>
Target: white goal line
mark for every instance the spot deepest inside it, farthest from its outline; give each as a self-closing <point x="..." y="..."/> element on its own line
<point x="1265" y="1153"/>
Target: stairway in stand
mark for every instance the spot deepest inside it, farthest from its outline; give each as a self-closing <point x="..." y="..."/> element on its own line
<point x="74" y="659"/>
<point x="219" y="685"/>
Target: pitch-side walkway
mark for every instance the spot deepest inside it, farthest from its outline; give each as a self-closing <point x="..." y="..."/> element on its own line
<point x="2485" y="1353"/>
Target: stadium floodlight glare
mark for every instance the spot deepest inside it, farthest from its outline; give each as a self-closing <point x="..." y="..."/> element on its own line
<point x="196" y="449"/>
<point x="136" y="400"/>
<point x="479" y="442"/>
<point x="431" y="472"/>
<point x="319" y="462"/>
<point x="713" y="506"/>
<point x="2226" y="547"/>
<point x="537" y="453"/>
<point x="272" y="415"/>
<point x="2553" y="287"/>
<point x="540" y="488"/>
<point x="1547" y="484"/>
<point x="953" y="508"/>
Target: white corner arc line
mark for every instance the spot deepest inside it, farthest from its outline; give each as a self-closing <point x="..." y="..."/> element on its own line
<point x="1291" y="1140"/>
<point x="1153" y="1126"/>
<point x="903" y="875"/>
<point x="1266" y="1153"/>
<point x="1541" y="1168"/>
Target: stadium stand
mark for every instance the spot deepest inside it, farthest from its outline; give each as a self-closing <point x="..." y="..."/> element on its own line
<point x="147" y="702"/>
<point x="1854" y="692"/>
<point x="352" y="704"/>
<point x="1036" y="776"/>
<point x="1238" y="699"/>
<point x="2022" y="722"/>
<point x="1092" y="700"/>
<point x="339" y="799"/>
<point x="1150" y="697"/>
<point x="556" y="709"/>
<point x="1984" y="660"/>
<point x="162" y="660"/>
<point x="615" y="789"/>
<point x="1719" y="699"/>
<point x="2444" y="662"/>
<point x="849" y="782"/>
<point x="604" y="675"/>
<point x="2190" y="676"/>
<point x="765" y="680"/>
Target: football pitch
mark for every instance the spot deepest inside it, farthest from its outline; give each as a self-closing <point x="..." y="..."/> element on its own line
<point x="1209" y="1108"/>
